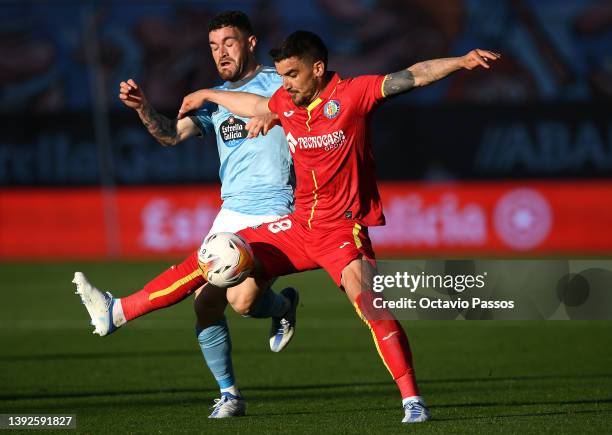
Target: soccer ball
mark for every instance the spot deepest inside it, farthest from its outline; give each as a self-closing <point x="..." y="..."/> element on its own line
<point x="225" y="259"/>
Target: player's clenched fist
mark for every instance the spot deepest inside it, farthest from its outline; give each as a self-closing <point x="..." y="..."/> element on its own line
<point x="479" y="57"/>
<point x="131" y="95"/>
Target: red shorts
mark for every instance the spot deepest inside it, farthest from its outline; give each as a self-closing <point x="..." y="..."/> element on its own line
<point x="285" y="246"/>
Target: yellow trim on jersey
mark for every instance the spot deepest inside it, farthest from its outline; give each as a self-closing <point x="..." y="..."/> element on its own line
<point x="308" y="121"/>
<point x="356" y="230"/>
<point x="334" y="91"/>
<point x="382" y="87"/>
<point x="311" y="106"/>
<point x="360" y="314"/>
<point x="314" y="104"/>
<point x="177" y="284"/>
<point x="314" y="178"/>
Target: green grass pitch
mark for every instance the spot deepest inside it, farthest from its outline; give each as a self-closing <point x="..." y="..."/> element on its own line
<point x="149" y="377"/>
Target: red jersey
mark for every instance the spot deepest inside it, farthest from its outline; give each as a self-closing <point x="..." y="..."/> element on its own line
<point x="332" y="151"/>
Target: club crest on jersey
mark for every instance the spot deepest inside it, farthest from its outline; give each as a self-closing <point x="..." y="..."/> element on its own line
<point x="233" y="131"/>
<point x="331" y="109"/>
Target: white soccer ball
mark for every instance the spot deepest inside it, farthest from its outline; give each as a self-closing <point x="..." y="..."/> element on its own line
<point x="225" y="259"/>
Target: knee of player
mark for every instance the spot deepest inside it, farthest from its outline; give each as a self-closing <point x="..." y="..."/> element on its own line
<point x="241" y="304"/>
<point x="242" y="307"/>
<point x="243" y="297"/>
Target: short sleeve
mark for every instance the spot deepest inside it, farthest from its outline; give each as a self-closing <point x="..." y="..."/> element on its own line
<point x="275" y="102"/>
<point x="367" y="91"/>
<point x="202" y="118"/>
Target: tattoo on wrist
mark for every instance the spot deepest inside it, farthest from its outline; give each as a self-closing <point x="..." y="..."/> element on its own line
<point x="160" y="127"/>
<point x="398" y="82"/>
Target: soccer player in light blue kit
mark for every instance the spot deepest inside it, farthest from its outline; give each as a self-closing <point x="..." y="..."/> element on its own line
<point x="257" y="187"/>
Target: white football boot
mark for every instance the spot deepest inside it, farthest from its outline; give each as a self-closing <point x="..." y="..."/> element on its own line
<point x="228" y="406"/>
<point x="416" y="412"/>
<point x="99" y="305"/>
<point x="282" y="329"/>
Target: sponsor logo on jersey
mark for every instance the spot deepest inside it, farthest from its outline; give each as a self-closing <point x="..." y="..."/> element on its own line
<point x="292" y="142"/>
<point x="288" y="114"/>
<point x="328" y="142"/>
<point x="331" y="109"/>
<point x="233" y="131"/>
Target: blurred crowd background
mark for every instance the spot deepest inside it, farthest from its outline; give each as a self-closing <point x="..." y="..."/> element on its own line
<point x="543" y="113"/>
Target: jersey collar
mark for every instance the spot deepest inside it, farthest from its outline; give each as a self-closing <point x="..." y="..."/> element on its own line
<point x="327" y="92"/>
<point x="240" y="83"/>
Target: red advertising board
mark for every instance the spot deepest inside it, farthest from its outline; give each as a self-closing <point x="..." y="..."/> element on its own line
<point x="549" y="218"/>
<point x="423" y="220"/>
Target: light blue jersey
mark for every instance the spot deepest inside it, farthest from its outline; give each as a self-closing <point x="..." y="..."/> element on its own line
<point x="256" y="174"/>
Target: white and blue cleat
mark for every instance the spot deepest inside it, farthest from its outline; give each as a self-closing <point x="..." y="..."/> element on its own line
<point x="99" y="305"/>
<point x="283" y="328"/>
<point x="228" y="406"/>
<point x="416" y="412"/>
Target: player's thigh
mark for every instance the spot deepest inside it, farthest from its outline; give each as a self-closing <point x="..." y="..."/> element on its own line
<point x="337" y="249"/>
<point x="243" y="296"/>
<point x="278" y="248"/>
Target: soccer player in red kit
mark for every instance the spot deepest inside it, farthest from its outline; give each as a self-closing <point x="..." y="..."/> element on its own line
<point x="327" y="120"/>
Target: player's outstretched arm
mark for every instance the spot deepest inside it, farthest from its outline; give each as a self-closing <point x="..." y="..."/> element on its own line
<point x="425" y="73"/>
<point x="239" y="103"/>
<point x="166" y="131"/>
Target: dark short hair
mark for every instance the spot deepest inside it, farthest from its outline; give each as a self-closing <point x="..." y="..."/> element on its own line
<point x="237" y="19"/>
<point x="303" y="45"/>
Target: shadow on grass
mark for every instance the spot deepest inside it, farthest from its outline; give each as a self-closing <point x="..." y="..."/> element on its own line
<point x="276" y="392"/>
<point x="159" y="396"/>
<point x="175" y="353"/>
<point x="533" y="414"/>
<point x="517" y="378"/>
<point x="525" y="403"/>
<point x="51" y="357"/>
<point x="435" y="419"/>
<point x="253" y="390"/>
<point x="95" y="356"/>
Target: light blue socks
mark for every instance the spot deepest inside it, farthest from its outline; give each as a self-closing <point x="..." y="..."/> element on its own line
<point x="216" y="345"/>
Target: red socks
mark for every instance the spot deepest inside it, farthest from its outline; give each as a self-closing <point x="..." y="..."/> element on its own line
<point x="172" y="286"/>
<point x="391" y="343"/>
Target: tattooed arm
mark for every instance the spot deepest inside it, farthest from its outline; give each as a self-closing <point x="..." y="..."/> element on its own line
<point x="166" y="131"/>
<point x="425" y="73"/>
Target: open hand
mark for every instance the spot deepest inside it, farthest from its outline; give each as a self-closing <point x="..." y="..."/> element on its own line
<point x="193" y="101"/>
<point x="261" y="124"/>
<point x="479" y="57"/>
